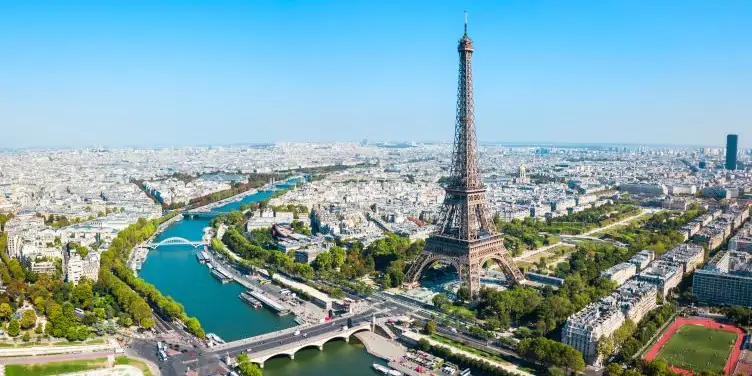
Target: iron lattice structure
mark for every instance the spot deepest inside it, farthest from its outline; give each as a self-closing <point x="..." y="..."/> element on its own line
<point x="465" y="236"/>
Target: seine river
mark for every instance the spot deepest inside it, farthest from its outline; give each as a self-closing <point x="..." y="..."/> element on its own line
<point x="175" y="271"/>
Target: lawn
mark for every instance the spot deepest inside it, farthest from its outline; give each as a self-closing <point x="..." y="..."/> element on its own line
<point x="133" y="362"/>
<point x="698" y="348"/>
<point x="54" y="368"/>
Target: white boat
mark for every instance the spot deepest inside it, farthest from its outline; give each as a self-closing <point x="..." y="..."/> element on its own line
<point x="394" y="372"/>
<point x="380" y="368"/>
<point x="214" y="338"/>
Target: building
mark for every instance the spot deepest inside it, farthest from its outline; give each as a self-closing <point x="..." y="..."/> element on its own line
<point x="44" y="267"/>
<point x="642" y="259"/>
<point x="268" y="218"/>
<point x="636" y="298"/>
<point x="644" y="189"/>
<point x="732" y="141"/>
<point x="726" y="279"/>
<point x="688" y="256"/>
<point x="584" y="329"/>
<point x="742" y="241"/>
<point x="681" y="189"/>
<point x="620" y="273"/>
<point x="664" y="275"/>
<point x="307" y="255"/>
<point x="76" y="267"/>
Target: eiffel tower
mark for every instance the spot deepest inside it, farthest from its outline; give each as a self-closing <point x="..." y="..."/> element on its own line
<point x="465" y="236"/>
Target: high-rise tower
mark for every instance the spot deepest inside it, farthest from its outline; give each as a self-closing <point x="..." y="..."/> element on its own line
<point x="465" y="236"/>
<point x="732" y="141"/>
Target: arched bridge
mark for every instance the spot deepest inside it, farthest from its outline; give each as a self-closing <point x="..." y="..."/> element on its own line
<point x="175" y="241"/>
<point x="285" y="342"/>
<point x="310" y="341"/>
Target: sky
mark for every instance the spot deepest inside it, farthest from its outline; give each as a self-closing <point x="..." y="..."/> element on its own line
<point x="141" y="73"/>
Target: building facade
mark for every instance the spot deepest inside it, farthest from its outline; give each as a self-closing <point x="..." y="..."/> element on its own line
<point x="725" y="280"/>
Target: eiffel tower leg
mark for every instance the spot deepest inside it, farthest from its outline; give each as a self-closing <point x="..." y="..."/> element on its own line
<point x="413" y="273"/>
<point x="473" y="280"/>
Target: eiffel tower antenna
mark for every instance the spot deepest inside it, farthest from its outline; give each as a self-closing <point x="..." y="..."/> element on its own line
<point x="465" y="23"/>
<point x="465" y="236"/>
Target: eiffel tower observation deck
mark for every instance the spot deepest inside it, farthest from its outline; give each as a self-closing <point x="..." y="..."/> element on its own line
<point x="465" y="236"/>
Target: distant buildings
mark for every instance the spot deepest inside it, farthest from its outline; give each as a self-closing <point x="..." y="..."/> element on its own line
<point x="732" y="141"/>
<point x="726" y="280"/>
<point x="267" y="218"/>
<point x="644" y="189"/>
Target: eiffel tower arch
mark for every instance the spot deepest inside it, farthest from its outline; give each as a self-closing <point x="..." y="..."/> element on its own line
<point x="465" y="236"/>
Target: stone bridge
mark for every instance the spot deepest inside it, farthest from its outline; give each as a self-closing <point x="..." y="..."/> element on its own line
<point x="289" y="349"/>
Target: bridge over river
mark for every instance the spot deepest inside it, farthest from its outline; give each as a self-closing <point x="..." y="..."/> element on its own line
<point x="174" y="241"/>
<point x="285" y="342"/>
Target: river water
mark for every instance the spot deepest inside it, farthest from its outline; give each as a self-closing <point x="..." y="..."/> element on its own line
<point x="176" y="272"/>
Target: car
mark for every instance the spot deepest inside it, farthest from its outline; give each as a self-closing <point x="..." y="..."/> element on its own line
<point x="305" y="335"/>
<point x="297" y="333"/>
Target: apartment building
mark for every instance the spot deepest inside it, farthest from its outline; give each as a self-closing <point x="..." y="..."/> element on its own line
<point x="726" y="280"/>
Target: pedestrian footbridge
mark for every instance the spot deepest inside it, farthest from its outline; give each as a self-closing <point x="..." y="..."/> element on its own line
<point x="174" y="241"/>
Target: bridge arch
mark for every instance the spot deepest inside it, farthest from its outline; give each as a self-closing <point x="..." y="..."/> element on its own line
<point x="175" y="240"/>
<point x="260" y="358"/>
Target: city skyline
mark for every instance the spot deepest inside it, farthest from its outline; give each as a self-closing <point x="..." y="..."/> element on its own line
<point x="83" y="74"/>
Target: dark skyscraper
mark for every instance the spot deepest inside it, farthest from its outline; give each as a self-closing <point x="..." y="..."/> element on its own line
<point x="731" y="143"/>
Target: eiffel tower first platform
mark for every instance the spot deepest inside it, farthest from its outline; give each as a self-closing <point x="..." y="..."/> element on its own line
<point x="465" y="236"/>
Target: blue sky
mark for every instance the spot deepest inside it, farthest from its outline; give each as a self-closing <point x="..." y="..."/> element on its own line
<point x="84" y="73"/>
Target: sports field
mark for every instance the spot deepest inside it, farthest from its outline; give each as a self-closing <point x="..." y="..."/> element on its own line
<point x="698" y="348"/>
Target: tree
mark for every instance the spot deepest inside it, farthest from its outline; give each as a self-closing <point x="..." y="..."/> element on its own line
<point x="324" y="261"/>
<point x="243" y="358"/>
<point x="14" y="328"/>
<point x="337" y="293"/>
<point x="249" y="369"/>
<point x="5" y="311"/>
<point x="338" y="254"/>
<point x="606" y="346"/>
<point x="430" y="327"/>
<point x="614" y="369"/>
<point x="194" y="327"/>
<point x="147" y="323"/>
<point x="424" y="345"/>
<point x="28" y="319"/>
<point x="83" y="295"/>
<point x="463" y="294"/>
<point x="441" y="302"/>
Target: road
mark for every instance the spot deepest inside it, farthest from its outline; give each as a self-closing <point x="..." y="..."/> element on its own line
<point x="288" y="338"/>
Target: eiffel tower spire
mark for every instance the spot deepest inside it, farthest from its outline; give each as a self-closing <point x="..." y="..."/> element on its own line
<point x="465" y="236"/>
